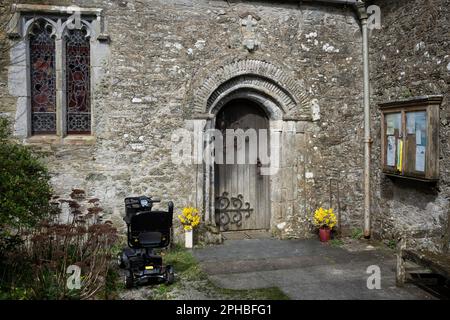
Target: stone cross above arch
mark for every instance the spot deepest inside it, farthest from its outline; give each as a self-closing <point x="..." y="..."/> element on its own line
<point x="255" y="78"/>
<point x="249" y="40"/>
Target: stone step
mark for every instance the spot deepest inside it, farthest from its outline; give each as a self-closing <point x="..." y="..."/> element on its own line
<point x="246" y="234"/>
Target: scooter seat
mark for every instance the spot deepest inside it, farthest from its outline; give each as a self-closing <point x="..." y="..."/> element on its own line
<point x="150" y="238"/>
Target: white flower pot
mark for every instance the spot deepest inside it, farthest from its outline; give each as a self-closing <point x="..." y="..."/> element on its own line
<point x="188" y="239"/>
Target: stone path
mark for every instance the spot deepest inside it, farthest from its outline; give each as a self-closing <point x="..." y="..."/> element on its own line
<point x="304" y="269"/>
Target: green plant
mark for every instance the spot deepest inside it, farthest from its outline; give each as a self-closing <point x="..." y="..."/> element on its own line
<point x="36" y="247"/>
<point x="357" y="233"/>
<point x="24" y="185"/>
<point x="183" y="262"/>
<point x="39" y="264"/>
<point x="336" y="242"/>
<point x="392" y="244"/>
<point x="112" y="283"/>
<point x="24" y="201"/>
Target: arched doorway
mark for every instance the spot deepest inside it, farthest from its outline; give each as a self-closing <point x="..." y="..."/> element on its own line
<point x="242" y="192"/>
<point x="282" y="100"/>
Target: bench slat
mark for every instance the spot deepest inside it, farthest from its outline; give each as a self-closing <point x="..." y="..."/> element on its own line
<point x="438" y="263"/>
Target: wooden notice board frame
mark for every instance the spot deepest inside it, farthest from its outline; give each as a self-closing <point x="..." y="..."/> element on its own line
<point x="412" y="150"/>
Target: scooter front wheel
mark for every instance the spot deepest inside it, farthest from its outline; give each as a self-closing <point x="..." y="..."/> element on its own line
<point x="170" y="275"/>
<point x="129" y="280"/>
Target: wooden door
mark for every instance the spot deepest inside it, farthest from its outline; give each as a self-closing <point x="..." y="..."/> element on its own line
<point x="242" y="197"/>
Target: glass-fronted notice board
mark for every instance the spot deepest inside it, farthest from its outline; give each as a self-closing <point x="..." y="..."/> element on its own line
<point x="410" y="138"/>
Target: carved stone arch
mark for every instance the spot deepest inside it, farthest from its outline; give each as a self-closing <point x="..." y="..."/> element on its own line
<point x="28" y="26"/>
<point x="86" y="25"/>
<point x="268" y="103"/>
<point x="258" y="76"/>
<point x="59" y="27"/>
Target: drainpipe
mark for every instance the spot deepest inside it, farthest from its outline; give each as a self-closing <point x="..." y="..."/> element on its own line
<point x="362" y="14"/>
<point x="360" y="8"/>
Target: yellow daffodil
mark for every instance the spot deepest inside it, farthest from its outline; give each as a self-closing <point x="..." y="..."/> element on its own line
<point x="324" y="218"/>
<point x="189" y="218"/>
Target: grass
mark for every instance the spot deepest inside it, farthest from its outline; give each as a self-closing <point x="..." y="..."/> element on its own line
<point x="392" y="244"/>
<point x="190" y="276"/>
<point x="113" y="284"/>
<point x="336" y="242"/>
<point x="184" y="263"/>
<point x="357" y="233"/>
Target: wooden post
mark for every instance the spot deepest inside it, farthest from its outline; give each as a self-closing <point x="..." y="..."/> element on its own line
<point x="400" y="273"/>
<point x="446" y="238"/>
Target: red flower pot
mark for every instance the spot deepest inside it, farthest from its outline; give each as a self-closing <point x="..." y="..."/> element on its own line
<point x="324" y="234"/>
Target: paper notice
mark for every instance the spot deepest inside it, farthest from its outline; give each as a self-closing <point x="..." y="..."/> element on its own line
<point x="390" y="130"/>
<point x="393" y="122"/>
<point x="390" y="124"/>
<point x="418" y="137"/>
<point x="410" y="122"/>
<point x="420" y="158"/>
<point x="390" y="156"/>
<point x="389" y="127"/>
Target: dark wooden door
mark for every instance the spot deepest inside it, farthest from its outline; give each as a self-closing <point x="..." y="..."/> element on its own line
<point x="242" y="193"/>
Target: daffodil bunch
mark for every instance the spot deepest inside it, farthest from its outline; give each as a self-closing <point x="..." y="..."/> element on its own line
<point x="189" y="218"/>
<point x="324" y="218"/>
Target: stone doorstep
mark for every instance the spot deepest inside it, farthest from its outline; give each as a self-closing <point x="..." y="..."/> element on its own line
<point x="246" y="234"/>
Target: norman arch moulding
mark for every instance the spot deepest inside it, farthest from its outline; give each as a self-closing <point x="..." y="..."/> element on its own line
<point x="285" y="97"/>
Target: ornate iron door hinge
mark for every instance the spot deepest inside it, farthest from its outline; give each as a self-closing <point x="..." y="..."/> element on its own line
<point x="228" y="210"/>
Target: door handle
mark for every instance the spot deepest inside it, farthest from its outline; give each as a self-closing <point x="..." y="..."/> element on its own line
<point x="258" y="166"/>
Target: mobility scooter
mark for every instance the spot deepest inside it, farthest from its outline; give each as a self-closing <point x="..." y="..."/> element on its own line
<point x="146" y="231"/>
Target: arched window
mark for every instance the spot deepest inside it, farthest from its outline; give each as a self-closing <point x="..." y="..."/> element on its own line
<point x="43" y="79"/>
<point x="78" y="106"/>
<point x="51" y="76"/>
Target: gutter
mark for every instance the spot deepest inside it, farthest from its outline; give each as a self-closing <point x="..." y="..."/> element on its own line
<point x="360" y="8"/>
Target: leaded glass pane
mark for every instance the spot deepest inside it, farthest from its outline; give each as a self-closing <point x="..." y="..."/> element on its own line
<point x="42" y="75"/>
<point x="78" y="82"/>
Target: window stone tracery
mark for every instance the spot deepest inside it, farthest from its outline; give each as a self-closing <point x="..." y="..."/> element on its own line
<point x="54" y="56"/>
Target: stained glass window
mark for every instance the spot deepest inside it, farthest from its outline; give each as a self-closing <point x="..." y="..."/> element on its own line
<point x="78" y="82"/>
<point x="42" y="75"/>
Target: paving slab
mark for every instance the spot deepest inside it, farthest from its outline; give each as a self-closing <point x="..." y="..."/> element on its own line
<point x="304" y="269"/>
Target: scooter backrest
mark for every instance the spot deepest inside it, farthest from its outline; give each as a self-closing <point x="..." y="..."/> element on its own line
<point x="151" y="221"/>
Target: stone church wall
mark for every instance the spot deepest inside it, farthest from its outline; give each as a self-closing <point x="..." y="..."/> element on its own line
<point x="143" y="90"/>
<point x="410" y="57"/>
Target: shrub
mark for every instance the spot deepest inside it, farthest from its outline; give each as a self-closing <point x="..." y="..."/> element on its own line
<point x="24" y="200"/>
<point x="39" y="265"/>
<point x="24" y="186"/>
<point x="36" y="246"/>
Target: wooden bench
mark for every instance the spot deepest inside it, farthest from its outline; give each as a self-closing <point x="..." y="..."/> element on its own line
<point x="434" y="263"/>
<point x="438" y="264"/>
